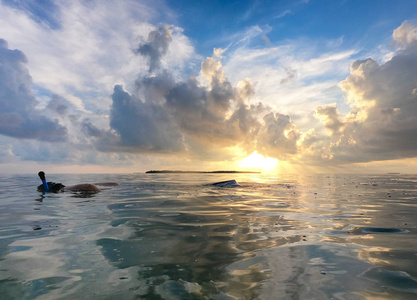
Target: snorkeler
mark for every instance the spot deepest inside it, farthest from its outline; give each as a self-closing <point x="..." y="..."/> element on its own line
<point x="59" y="187"/>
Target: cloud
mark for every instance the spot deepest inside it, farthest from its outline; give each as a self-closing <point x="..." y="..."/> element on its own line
<point x="90" y="47"/>
<point x="115" y="88"/>
<point x="6" y="154"/>
<point x="283" y="14"/>
<point x="266" y="39"/>
<point x="381" y="124"/>
<point x="156" y="47"/>
<point x="143" y="126"/>
<point x="330" y="118"/>
<point x="291" y="75"/>
<point x="75" y="60"/>
<point x="58" y="105"/>
<point x="292" y="78"/>
<point x="166" y="115"/>
<point x="405" y="35"/>
<point x="184" y="116"/>
<point x="19" y="117"/>
<point x="217" y="52"/>
<point x="205" y="117"/>
<point x="278" y="137"/>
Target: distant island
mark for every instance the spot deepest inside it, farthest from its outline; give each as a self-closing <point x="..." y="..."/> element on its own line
<point x="210" y="172"/>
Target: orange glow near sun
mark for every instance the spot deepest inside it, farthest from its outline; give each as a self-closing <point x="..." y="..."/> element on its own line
<point x="257" y="161"/>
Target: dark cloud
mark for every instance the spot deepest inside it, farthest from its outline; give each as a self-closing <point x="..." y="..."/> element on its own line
<point x="162" y="115"/>
<point x="189" y="119"/>
<point x="201" y="113"/>
<point x="203" y="121"/>
<point x="153" y="89"/>
<point x="167" y="116"/>
<point x="90" y="130"/>
<point x="144" y="126"/>
<point x="156" y="46"/>
<point x="58" y="105"/>
<point x="19" y="117"/>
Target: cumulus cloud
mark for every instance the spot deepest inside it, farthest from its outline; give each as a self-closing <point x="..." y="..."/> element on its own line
<point x="165" y="115"/>
<point x="330" y="118"/>
<point x="278" y="136"/>
<point x="205" y="116"/>
<point x="405" y="35"/>
<point x="381" y="124"/>
<point x="143" y="126"/>
<point x="75" y="60"/>
<point x="19" y="117"/>
<point x="156" y="46"/>
<point x="134" y="99"/>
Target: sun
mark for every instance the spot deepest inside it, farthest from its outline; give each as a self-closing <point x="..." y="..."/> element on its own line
<point x="257" y="161"/>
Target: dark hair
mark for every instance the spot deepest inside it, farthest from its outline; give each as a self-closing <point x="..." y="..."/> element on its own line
<point x="53" y="187"/>
<point x="41" y="175"/>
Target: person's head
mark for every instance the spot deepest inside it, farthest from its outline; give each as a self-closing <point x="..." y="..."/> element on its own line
<point x="48" y="186"/>
<point x="41" y="175"/>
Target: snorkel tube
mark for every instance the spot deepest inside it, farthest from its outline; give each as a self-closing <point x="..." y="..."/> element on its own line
<point x="42" y="177"/>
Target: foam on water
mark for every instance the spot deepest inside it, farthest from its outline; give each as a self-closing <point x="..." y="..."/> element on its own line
<point x="175" y="236"/>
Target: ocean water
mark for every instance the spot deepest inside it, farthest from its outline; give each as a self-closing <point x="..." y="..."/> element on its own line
<point x="172" y="236"/>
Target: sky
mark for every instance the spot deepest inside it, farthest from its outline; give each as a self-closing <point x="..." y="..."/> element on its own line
<point x="119" y="86"/>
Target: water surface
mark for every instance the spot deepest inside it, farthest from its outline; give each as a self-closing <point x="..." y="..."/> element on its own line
<point x="172" y="236"/>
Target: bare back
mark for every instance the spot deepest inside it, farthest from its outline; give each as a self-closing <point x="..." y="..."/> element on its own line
<point x="83" y="187"/>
